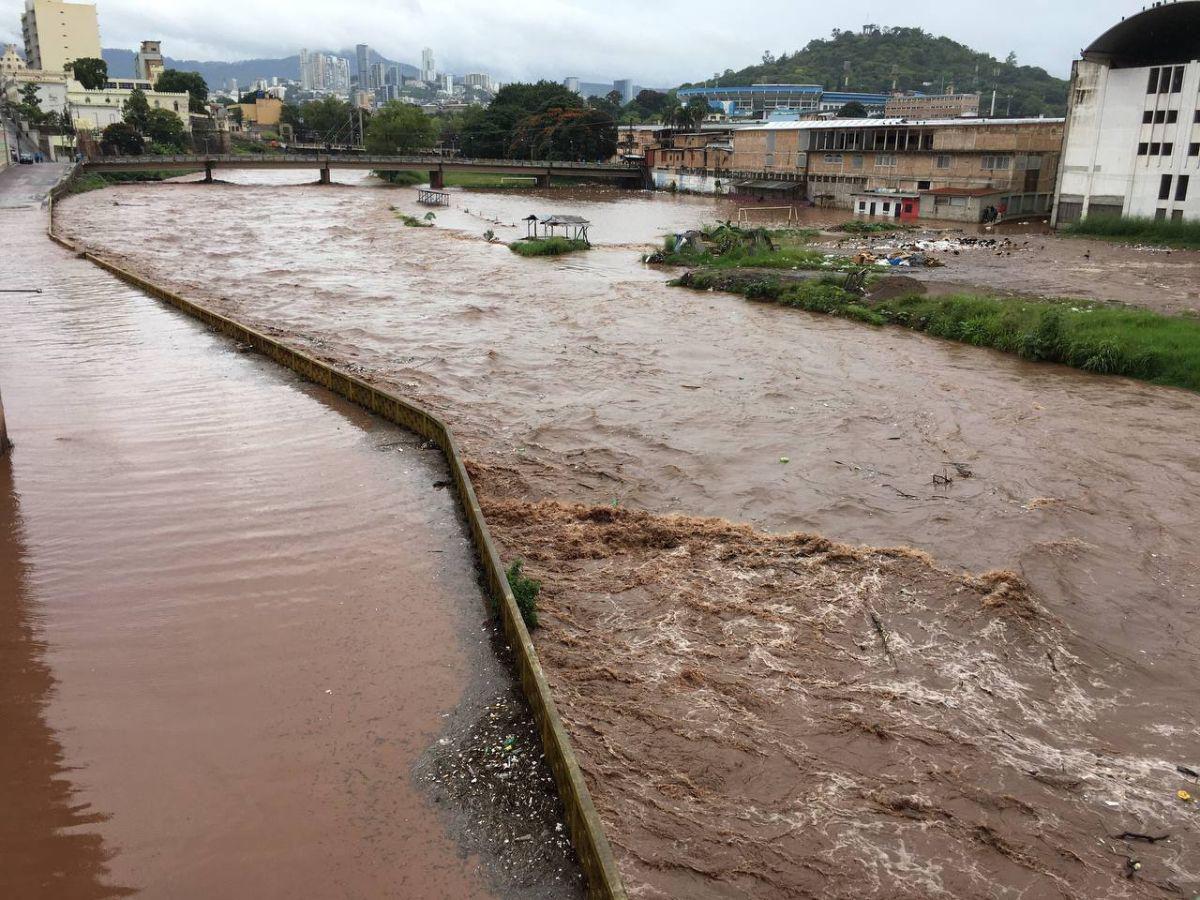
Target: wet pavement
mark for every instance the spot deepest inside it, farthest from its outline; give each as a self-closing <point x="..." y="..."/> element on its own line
<point x="236" y="617"/>
<point x="587" y="380"/>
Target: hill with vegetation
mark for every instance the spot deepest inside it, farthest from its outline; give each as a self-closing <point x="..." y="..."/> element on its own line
<point x="876" y="58"/>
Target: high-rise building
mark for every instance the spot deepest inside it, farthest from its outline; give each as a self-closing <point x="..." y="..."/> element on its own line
<point x="57" y="33"/>
<point x="447" y="83"/>
<point x="378" y="75"/>
<point x="148" y="63"/>
<point x="428" y="69"/>
<point x="480" y="81"/>
<point x="571" y="83"/>
<point x="324" y="74"/>
<point x="363" y="52"/>
<point x="624" y="87"/>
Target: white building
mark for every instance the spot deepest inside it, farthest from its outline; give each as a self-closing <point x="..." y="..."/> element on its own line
<point x="1132" y="140"/>
<point x="571" y="83"/>
<point x="624" y="87"/>
<point x="480" y="81"/>
<point x="428" y="68"/>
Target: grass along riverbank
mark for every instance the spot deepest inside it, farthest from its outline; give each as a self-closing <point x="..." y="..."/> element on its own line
<point x="728" y="246"/>
<point x="1178" y="235"/>
<point x="93" y="181"/>
<point x="551" y="246"/>
<point x="1089" y="336"/>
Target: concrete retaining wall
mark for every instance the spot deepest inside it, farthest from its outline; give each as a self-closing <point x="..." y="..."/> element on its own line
<point x="587" y="834"/>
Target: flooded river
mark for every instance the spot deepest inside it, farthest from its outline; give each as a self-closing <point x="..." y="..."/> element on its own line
<point x="236" y="616"/>
<point x="587" y="380"/>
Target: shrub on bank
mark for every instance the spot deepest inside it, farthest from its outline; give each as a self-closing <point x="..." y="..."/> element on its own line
<point x="1183" y="235"/>
<point x="1109" y="340"/>
<point x="94" y="181"/>
<point x="551" y="246"/>
<point x="525" y="592"/>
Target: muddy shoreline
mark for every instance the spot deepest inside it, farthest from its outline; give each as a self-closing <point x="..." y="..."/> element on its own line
<point x="602" y="388"/>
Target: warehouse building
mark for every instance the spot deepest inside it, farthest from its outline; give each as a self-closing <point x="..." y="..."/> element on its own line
<point x="1132" y="140"/>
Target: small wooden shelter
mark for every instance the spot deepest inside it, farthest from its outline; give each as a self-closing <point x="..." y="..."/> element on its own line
<point x="574" y="227"/>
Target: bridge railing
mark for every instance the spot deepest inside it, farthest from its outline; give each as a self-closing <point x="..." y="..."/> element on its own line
<point x="358" y="160"/>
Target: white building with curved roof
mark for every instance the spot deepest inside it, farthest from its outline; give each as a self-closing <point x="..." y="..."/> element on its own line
<point x="1131" y="146"/>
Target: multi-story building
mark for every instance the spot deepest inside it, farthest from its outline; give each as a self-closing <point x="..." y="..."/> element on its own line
<point x="148" y="63"/>
<point x="363" y="54"/>
<point x="324" y="74"/>
<point x="624" y="87"/>
<point x="758" y="101"/>
<point x="378" y="75"/>
<point x="428" y="68"/>
<point x="928" y="168"/>
<point x="571" y="83"/>
<point x="1132" y="141"/>
<point x="96" y="110"/>
<point x="446" y="83"/>
<point x="931" y="106"/>
<point x="56" y="33"/>
<point x="480" y="81"/>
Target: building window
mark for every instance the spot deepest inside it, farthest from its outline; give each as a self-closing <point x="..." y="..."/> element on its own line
<point x="856" y="161"/>
<point x="1160" y="215"/>
<point x="1164" y="188"/>
<point x="885" y="160"/>
<point x="1168" y="148"/>
<point x="1152" y="84"/>
<point x="1177" y="215"/>
<point x="1181" y="187"/>
<point x="833" y="159"/>
<point x="1194" y="149"/>
<point x="1156" y="149"/>
<point x="996" y="162"/>
<point x="1147" y="117"/>
<point x="1177" y="80"/>
<point x="923" y="185"/>
<point x="1159" y="116"/>
<point x="1143" y="148"/>
<point x="1172" y="116"/>
<point x="943" y="161"/>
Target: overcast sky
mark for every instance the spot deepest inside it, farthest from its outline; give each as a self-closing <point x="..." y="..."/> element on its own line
<point x="659" y="44"/>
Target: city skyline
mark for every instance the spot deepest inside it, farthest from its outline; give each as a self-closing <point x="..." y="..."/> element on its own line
<point x="590" y="41"/>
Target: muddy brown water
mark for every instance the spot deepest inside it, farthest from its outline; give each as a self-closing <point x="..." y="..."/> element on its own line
<point x="587" y="379"/>
<point x="235" y="613"/>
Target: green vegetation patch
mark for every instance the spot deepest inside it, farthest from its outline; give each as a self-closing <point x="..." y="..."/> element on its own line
<point x="412" y="221"/>
<point x="551" y="246"/>
<point x="1183" y="235"/>
<point x="1109" y="340"/>
<point x="525" y="592"/>
<point x="403" y="178"/>
<point x="729" y="246"/>
<point x="856" y="226"/>
<point x="94" y="181"/>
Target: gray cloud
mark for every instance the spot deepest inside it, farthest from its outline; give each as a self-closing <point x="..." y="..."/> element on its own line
<point x="655" y="44"/>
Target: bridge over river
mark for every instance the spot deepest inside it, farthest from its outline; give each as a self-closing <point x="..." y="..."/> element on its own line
<point x="436" y="166"/>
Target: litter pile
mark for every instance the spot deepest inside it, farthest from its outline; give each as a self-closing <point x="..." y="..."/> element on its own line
<point x="922" y="253"/>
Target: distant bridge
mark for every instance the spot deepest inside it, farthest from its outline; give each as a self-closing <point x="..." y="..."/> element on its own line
<point x="324" y="163"/>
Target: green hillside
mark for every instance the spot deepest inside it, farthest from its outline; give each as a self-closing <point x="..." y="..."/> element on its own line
<point x="916" y="61"/>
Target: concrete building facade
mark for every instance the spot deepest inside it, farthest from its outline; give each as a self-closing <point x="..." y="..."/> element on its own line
<point x="931" y="106"/>
<point x="148" y="63"/>
<point x="57" y="33"/>
<point x="1132" y="140"/>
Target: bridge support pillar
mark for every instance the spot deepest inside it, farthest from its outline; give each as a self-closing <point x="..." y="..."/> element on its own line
<point x="437" y="179"/>
<point x="208" y="173"/>
<point x="325" y="175"/>
<point x="543" y="181"/>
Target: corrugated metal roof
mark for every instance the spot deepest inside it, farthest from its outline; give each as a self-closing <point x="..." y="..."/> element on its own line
<point x="886" y="122"/>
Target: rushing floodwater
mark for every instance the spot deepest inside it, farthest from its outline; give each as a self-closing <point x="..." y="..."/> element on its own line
<point x="234" y="611"/>
<point x="588" y="379"/>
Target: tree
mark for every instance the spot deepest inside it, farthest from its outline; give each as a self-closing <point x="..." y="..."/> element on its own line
<point x="290" y="115"/>
<point x="399" y="128"/>
<point x="192" y="83"/>
<point x="328" y="119"/>
<point x="695" y="112"/>
<point x="122" y="138"/>
<point x="852" y="110"/>
<point x="565" y="134"/>
<point x="651" y="102"/>
<point x="1011" y="59"/>
<point x="30" y="107"/>
<point x="89" y="71"/>
<point x="489" y="133"/>
<point x="165" y="128"/>
<point x="137" y="110"/>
